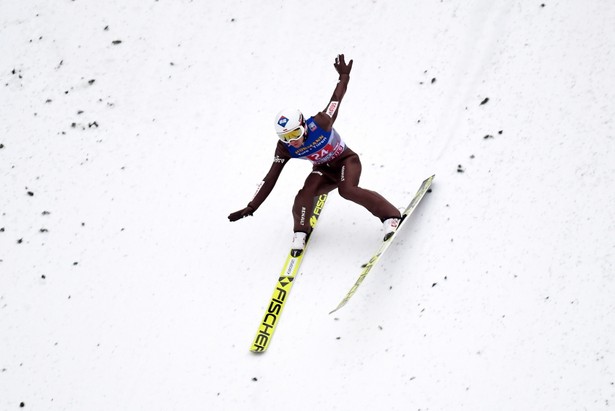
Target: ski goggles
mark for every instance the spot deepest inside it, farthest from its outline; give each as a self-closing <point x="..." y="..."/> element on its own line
<point x="292" y="135"/>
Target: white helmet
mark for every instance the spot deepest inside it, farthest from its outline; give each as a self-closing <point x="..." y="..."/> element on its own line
<point x="289" y="124"/>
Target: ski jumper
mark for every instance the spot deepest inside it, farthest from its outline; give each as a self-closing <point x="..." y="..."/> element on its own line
<point x="334" y="166"/>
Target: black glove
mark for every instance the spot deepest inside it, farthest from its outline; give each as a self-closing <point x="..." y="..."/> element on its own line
<point x="241" y="214"/>
<point x="341" y="66"/>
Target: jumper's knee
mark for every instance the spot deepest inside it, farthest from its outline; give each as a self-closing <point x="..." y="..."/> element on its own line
<point x="348" y="193"/>
<point x="303" y="196"/>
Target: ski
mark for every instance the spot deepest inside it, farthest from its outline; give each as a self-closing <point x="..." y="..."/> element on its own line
<point x="283" y="286"/>
<point x="387" y="242"/>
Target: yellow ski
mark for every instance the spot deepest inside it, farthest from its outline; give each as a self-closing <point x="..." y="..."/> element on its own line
<point x="283" y="286"/>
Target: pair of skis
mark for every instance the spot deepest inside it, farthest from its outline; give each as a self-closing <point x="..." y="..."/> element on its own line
<point x="291" y="268"/>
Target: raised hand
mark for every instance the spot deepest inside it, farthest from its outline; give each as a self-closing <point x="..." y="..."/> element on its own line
<point x="340" y="65"/>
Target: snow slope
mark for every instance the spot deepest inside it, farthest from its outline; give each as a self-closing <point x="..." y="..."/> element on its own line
<point x="130" y="130"/>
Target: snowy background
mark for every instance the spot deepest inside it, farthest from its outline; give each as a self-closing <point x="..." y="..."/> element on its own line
<point x="129" y="130"/>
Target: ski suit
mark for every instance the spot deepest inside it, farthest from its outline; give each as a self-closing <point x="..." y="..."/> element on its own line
<point x="334" y="166"/>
